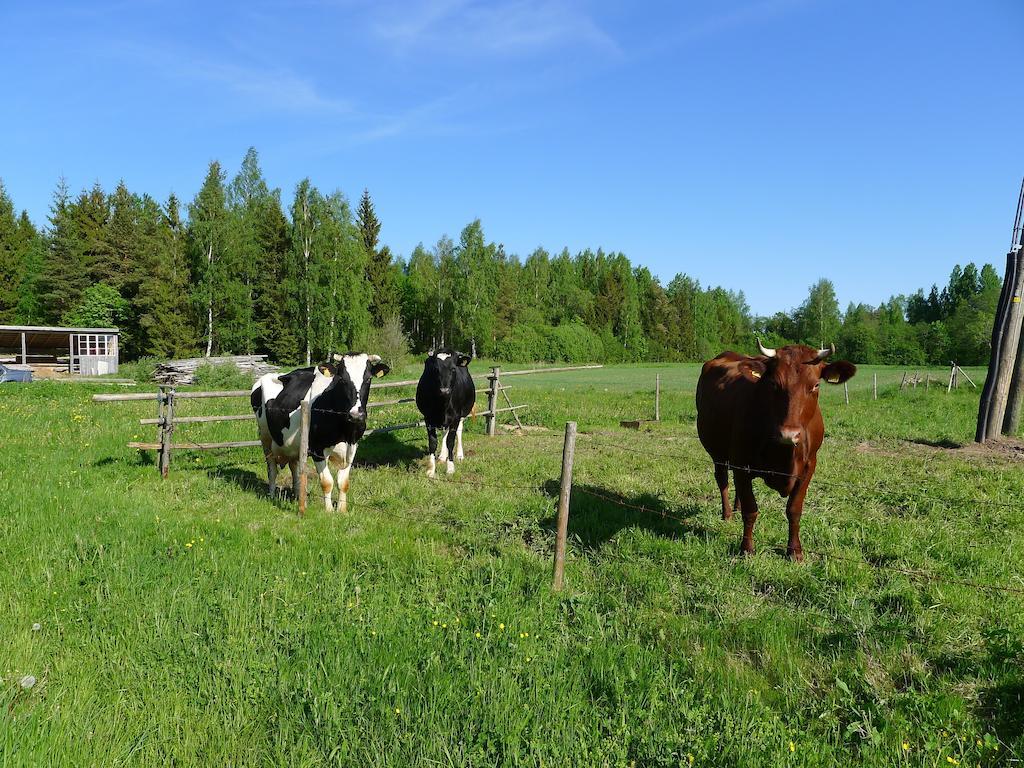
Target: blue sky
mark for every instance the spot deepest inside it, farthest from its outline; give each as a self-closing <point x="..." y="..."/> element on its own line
<point x="754" y="144"/>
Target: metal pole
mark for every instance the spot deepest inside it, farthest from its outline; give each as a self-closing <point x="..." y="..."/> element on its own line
<point x="492" y="400"/>
<point x="303" y="454"/>
<point x="657" y="397"/>
<point x="167" y="434"/>
<point x="564" y="497"/>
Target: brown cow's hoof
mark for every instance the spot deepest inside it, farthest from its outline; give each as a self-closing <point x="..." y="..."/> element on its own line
<point x="746" y="551"/>
<point x="727" y="516"/>
<point x="796" y="555"/>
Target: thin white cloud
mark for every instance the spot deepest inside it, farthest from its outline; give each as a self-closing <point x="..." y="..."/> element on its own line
<point x="499" y="27"/>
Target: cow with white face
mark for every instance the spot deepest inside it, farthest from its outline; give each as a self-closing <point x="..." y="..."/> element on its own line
<point x="337" y="393"/>
<point x="445" y="396"/>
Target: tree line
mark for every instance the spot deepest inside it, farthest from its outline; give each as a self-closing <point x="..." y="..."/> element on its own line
<point x="234" y="271"/>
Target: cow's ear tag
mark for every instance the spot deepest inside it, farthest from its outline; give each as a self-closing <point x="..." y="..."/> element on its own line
<point x="755" y="374"/>
<point x="325" y="371"/>
<point x="833" y="380"/>
<point x="379" y="373"/>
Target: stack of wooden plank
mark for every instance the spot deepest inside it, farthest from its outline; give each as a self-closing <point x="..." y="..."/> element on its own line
<point x="181" y="372"/>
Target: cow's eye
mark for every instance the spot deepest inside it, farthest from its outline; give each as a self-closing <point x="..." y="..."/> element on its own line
<point x="816" y="387"/>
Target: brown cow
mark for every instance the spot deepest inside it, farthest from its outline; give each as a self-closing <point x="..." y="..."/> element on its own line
<point x="759" y="416"/>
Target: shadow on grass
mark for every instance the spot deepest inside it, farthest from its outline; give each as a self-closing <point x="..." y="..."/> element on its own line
<point x="597" y="515"/>
<point x="136" y="459"/>
<point x="944" y="443"/>
<point x="386" y="450"/>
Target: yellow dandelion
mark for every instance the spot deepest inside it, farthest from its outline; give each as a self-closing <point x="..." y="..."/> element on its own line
<point x="951" y="761"/>
<point x="528" y="659"/>
<point x="979" y="742"/>
<point x="501" y="626"/>
<point x="521" y="635"/>
<point x="435" y="623"/>
<point x="373" y="632"/>
<point x="792" y="747"/>
<point x="398" y="711"/>
<point x="189" y="545"/>
<point x="526" y="634"/>
<point x="906" y="747"/>
<point x="479" y="635"/>
<point x="690" y="758"/>
<point x="456" y="619"/>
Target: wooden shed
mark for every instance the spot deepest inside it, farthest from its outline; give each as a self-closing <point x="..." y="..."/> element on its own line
<point x="82" y="351"/>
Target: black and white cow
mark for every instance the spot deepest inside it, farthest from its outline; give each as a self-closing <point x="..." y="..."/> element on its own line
<point x="337" y="393"/>
<point x="445" y="396"/>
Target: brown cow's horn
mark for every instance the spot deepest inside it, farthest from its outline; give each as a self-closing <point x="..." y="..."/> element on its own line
<point x="766" y="351"/>
<point x="824" y="353"/>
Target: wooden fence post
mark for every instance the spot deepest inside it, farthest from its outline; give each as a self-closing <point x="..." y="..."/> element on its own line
<point x="303" y="455"/>
<point x="492" y="400"/>
<point x="160" y="415"/>
<point x="167" y="433"/>
<point x="846" y="391"/>
<point x="564" y="497"/>
<point x="875" y="386"/>
<point x="657" y="397"/>
<point x="904" y="382"/>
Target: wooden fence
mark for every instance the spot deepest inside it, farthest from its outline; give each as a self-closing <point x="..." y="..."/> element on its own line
<point x="167" y="420"/>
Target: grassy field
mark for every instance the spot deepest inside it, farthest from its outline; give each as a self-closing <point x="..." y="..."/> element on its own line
<point x="196" y="621"/>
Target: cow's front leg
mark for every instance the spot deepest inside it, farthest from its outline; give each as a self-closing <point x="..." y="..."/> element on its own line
<point x="323" y="471"/>
<point x="449" y="451"/>
<point x="293" y="467"/>
<point x="722" y="478"/>
<point x="748" y="507"/>
<point x="343" y="476"/>
<point x="459" y="455"/>
<point x="794" y="509"/>
<point x="445" y="453"/>
<point x="431" y="450"/>
<point x="271" y="475"/>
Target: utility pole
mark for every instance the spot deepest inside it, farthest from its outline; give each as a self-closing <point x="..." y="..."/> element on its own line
<point x="993" y="415"/>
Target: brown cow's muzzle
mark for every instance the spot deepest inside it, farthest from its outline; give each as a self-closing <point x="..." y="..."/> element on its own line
<point x="789" y="436"/>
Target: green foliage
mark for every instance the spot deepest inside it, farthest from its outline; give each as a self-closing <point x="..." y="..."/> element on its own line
<point x="214" y="376"/>
<point x="390" y="342"/>
<point x="101" y="306"/>
<point x="574" y="342"/>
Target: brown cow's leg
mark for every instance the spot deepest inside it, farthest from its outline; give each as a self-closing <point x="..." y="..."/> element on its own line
<point x="722" y="478"/>
<point x="794" y="509"/>
<point x="748" y="507"/>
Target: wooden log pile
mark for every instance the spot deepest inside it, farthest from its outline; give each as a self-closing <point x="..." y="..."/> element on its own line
<point x="181" y="372"/>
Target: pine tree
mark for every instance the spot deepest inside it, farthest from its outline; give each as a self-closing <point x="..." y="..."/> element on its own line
<point x="380" y="271"/>
<point x="32" y="247"/>
<point x="163" y="301"/>
<point x="10" y="259"/>
<point x="208" y="242"/>
<point x="65" y="274"/>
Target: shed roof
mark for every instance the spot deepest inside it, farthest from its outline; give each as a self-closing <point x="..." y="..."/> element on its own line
<point x="37" y="336"/>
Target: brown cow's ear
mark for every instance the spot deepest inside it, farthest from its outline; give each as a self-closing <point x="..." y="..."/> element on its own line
<point x="753" y="369"/>
<point x="838" y="372"/>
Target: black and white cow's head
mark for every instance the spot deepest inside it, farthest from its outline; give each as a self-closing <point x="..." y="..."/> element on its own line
<point x="441" y="366"/>
<point x="347" y="377"/>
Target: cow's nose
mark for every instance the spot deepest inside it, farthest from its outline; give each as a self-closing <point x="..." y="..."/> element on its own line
<point x="356" y="412"/>
<point x="789" y="436"/>
<point x="445" y="390"/>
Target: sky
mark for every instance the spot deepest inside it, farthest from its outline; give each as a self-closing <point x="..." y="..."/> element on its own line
<point x="754" y="144"/>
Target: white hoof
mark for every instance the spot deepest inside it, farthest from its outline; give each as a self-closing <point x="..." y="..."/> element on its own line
<point x="450" y="468"/>
<point x="460" y="456"/>
<point x="431" y="474"/>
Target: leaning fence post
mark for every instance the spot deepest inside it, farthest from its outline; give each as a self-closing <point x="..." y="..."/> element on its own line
<point x="657" y="397"/>
<point x="952" y="373"/>
<point x="564" y="494"/>
<point x="875" y="387"/>
<point x="167" y="433"/>
<point x="904" y="382"/>
<point x="846" y="390"/>
<point x="303" y="454"/>
<point x="160" y="415"/>
<point x="492" y="399"/>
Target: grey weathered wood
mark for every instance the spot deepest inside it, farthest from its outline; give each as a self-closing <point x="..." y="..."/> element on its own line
<point x="202" y="419"/>
<point x="24" y="350"/>
<point x="492" y="399"/>
<point x="962" y="372"/>
<point x="564" y="499"/>
<point x="904" y="382"/>
<point x="1006" y="332"/>
<point x="928" y="380"/>
<point x="512" y="408"/>
<point x="180" y="396"/>
<point x="197" y="446"/>
<point x="657" y="397"/>
<point x="952" y="375"/>
<point x="303" y="455"/>
<point x="874" y="386"/>
<point x="846" y="391"/>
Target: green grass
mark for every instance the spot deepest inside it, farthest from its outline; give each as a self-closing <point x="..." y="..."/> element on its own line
<point x="195" y="621"/>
